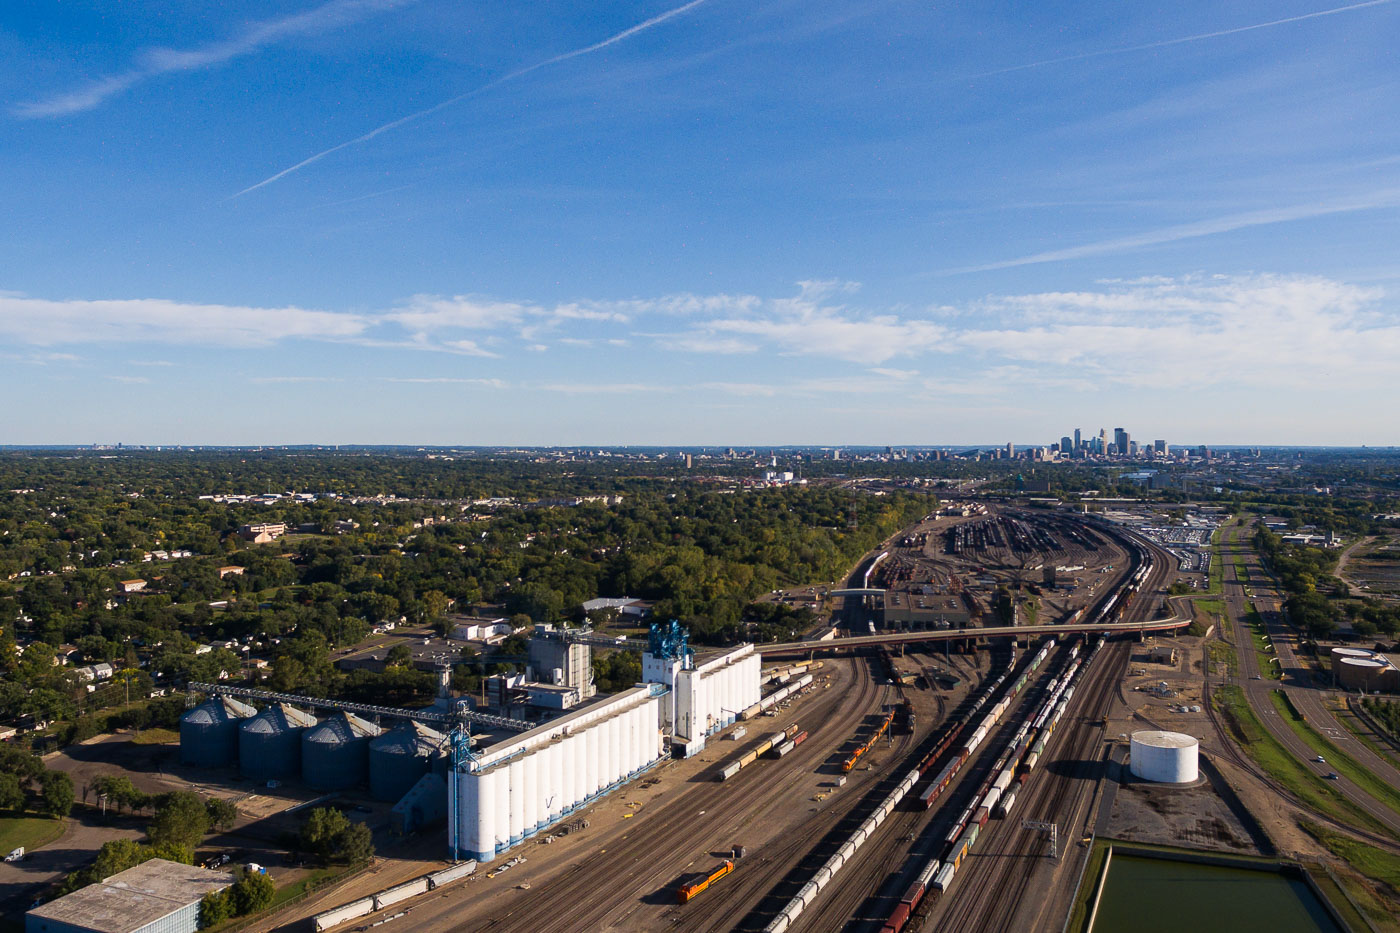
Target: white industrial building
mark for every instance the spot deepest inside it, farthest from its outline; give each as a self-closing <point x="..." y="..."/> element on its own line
<point x="508" y="792"/>
<point x="707" y="697"/>
<point x="500" y="795"/>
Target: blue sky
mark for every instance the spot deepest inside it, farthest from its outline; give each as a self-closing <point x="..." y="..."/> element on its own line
<point x="415" y="221"/>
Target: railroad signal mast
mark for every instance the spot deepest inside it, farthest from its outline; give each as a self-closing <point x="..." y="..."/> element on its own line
<point x="1046" y="826"/>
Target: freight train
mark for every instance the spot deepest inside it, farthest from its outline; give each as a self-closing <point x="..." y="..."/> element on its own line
<point x="810" y="891"/>
<point x="997" y="795"/>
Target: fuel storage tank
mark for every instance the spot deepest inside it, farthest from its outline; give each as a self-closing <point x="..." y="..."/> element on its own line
<point x="269" y="744"/>
<point x="335" y="753"/>
<point x="399" y="757"/>
<point x="209" y="732"/>
<point x="1165" y="757"/>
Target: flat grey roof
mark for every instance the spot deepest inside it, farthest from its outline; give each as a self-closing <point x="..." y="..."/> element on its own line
<point x="134" y="898"/>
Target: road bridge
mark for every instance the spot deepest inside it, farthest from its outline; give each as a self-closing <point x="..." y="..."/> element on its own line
<point x="793" y="649"/>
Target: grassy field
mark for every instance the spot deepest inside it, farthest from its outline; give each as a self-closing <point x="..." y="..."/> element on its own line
<point x="1337" y="760"/>
<point x="155" y="737"/>
<point x="1364" y="736"/>
<point x="1241" y="571"/>
<point x="1079" y="917"/>
<point x="285" y="895"/>
<point x="1216" y="577"/>
<point x="1375" y="864"/>
<point x="1333" y="892"/>
<point x="1263" y="652"/>
<point x="28" y="831"/>
<point x="1222" y="657"/>
<point x="1295" y="776"/>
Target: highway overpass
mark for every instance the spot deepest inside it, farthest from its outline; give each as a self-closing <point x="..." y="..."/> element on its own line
<point x="793" y="649"/>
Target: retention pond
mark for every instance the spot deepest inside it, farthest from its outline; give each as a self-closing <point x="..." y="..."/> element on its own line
<point x="1154" y="895"/>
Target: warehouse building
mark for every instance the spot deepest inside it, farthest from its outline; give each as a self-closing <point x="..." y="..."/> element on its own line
<point x="921" y="611"/>
<point x="157" y="896"/>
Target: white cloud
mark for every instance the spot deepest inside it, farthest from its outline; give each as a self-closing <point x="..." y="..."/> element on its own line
<point x="130" y="380"/>
<point x="44" y="323"/>
<point x="1260" y="331"/>
<point x="603" y="388"/>
<point x="700" y="342"/>
<point x="274" y="380"/>
<point x="1384" y="198"/>
<point x="446" y="380"/>
<point x="155" y="62"/>
<point x="426" y="313"/>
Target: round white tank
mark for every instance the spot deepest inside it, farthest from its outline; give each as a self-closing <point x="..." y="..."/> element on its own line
<point x="1339" y="653"/>
<point x="1164" y="757"/>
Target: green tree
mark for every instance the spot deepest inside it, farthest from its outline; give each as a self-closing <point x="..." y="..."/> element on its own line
<point x="252" y="893"/>
<point x="57" y="793"/>
<point x="11" y="792"/>
<point x="181" y="818"/>
<point x="320" y="832"/>
<point x="214" y="908"/>
<point x="399" y="656"/>
<point x="117" y="856"/>
<point x="221" y="812"/>
<point x="355" y="844"/>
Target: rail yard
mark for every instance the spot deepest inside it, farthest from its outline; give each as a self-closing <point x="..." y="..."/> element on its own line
<point x="886" y="789"/>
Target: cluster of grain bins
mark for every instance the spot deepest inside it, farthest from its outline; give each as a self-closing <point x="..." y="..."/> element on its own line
<point x="269" y="744"/>
<point x="335" y="753"/>
<point x="509" y="791"/>
<point x="209" y="732"/>
<point x="399" y="758"/>
<point x="284" y="743"/>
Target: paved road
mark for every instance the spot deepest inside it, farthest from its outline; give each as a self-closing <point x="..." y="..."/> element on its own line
<point x="22" y="882"/>
<point x="1298" y="682"/>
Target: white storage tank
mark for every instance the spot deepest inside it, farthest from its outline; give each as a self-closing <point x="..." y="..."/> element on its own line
<point x="1165" y="757"/>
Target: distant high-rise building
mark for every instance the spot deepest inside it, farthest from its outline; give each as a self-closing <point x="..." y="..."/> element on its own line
<point x="689" y="461"/>
<point x="1160" y="447"/>
<point x="1077" y="439"/>
<point x="1067" y="445"/>
<point x="1010" y="450"/>
<point x="1102" y="447"/>
<point x="1120" y="442"/>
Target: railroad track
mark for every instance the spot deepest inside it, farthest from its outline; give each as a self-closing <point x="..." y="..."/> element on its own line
<point x="586" y="895"/>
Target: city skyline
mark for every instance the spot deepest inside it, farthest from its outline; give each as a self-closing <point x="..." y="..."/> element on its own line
<point x="373" y="221"/>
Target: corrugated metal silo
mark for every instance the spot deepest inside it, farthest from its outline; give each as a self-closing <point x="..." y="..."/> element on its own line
<point x="400" y="757"/>
<point x="335" y="754"/>
<point x="269" y="744"/>
<point x="209" y="732"/>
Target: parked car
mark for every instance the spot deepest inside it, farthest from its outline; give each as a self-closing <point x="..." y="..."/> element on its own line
<point x="1320" y="760"/>
<point x="16" y="855"/>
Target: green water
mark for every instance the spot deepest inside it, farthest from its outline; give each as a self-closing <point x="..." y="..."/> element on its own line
<point x="1148" y="895"/>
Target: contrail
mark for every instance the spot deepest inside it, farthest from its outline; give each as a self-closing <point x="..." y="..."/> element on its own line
<point x="1196" y="38"/>
<point x="395" y="124"/>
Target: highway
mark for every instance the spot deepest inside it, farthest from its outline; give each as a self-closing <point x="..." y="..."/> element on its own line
<point x="1308" y="696"/>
